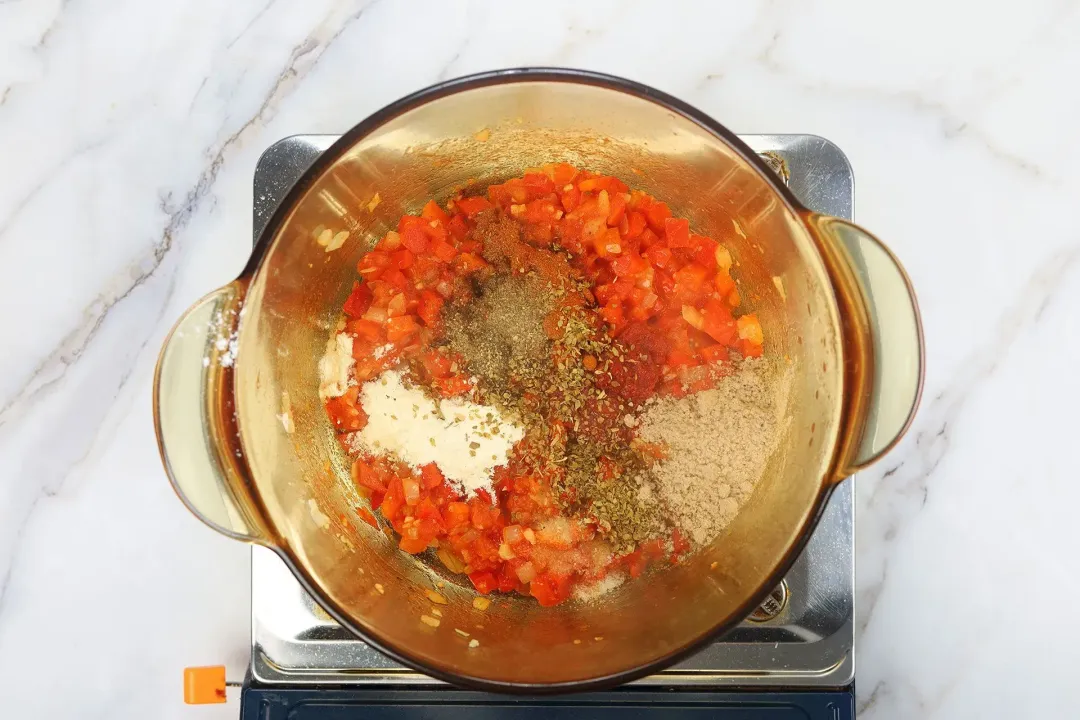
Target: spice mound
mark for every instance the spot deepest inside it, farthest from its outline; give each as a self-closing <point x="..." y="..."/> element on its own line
<point x="551" y="385"/>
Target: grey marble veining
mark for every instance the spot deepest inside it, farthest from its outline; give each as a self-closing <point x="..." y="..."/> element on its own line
<point x="129" y="133"/>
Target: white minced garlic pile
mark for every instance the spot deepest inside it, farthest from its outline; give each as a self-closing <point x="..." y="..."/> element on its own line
<point x="467" y="441"/>
<point x="335" y="367"/>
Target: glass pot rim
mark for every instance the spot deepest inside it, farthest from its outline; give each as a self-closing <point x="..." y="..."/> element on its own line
<point x="472" y="82"/>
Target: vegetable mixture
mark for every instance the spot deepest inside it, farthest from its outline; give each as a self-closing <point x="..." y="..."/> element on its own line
<point x="538" y="320"/>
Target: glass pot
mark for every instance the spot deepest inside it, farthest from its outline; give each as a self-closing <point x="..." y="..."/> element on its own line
<point x="249" y="449"/>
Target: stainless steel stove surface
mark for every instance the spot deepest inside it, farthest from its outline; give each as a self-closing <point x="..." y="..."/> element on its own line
<point x="802" y="636"/>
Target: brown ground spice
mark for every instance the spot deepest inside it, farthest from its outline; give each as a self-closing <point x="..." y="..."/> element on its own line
<point x="502" y="327"/>
<point x="718" y="443"/>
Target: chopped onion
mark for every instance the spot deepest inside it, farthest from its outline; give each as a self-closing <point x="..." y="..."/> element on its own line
<point x="512" y="534"/>
<point x="375" y="314"/>
<point x="452" y="562"/>
<point x="691" y="315"/>
<point x="649" y="300"/>
<point x="723" y="258"/>
<point x="526" y="572"/>
<point x="412" y="490"/>
<point x="445" y="288"/>
<point x="396" y="306"/>
<point x="392" y="241"/>
<point x="603" y="203"/>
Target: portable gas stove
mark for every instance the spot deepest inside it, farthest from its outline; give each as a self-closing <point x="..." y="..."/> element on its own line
<point x="793" y="657"/>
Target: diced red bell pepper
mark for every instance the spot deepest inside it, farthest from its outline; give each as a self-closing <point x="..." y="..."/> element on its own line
<point x="359" y="300"/>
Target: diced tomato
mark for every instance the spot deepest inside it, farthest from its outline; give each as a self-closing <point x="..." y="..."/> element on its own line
<point x="457" y="513"/>
<point x="561" y="173"/>
<point x="359" y="300"/>
<point x="432" y="211"/>
<point x="367" y="517"/>
<point x="689" y="283"/>
<point x="628" y="264"/>
<point x="718" y="322"/>
<point x="403" y="258"/>
<point x="364" y="329"/>
<point x="484" y="582"/>
<point x="657" y="215"/>
<point x="618" y="208"/>
<point x="432" y="476"/>
<point x="400" y="329"/>
<point x="749" y="349"/>
<point x="704" y="250"/>
<point x="723" y="283"/>
<point x="444" y="251"/>
<point x="365" y="475"/>
<point x="612" y="312"/>
<point x="414" y="238"/>
<point x="395" y="278"/>
<point x="714" y="353"/>
<point x="472" y="206"/>
<point x="659" y="256"/>
<point x="596" y="184"/>
<point x="550" y="589"/>
<point x="570" y="199"/>
<point x="663" y="295"/>
<point x="345" y="411"/>
<point x="394" y="500"/>
<point x="469" y="263"/>
<point x="372" y="263"/>
<point x="635" y="225"/>
<point x="457" y="227"/>
<point x="436" y="364"/>
<point x="677" y="232"/>
<point x="452" y="386"/>
<point x="430" y="308"/>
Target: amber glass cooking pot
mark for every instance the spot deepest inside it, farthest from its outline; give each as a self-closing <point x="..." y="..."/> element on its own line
<point x="249" y="449"/>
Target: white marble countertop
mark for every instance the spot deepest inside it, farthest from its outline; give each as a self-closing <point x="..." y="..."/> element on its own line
<point x="128" y="137"/>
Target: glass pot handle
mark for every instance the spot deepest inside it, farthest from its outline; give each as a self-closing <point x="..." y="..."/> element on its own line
<point x="885" y="335"/>
<point x="194" y="420"/>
